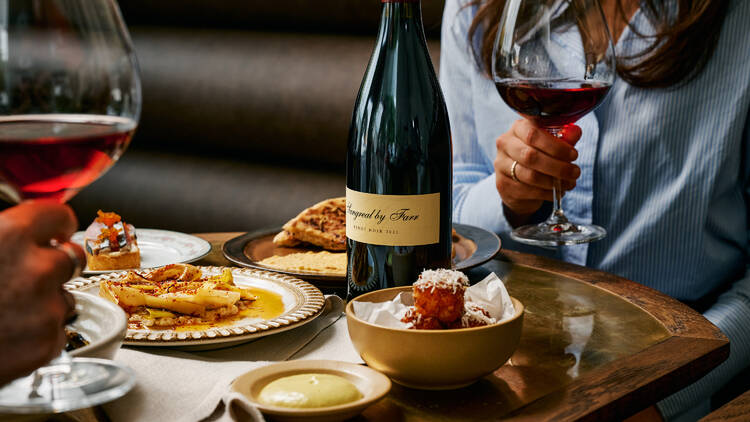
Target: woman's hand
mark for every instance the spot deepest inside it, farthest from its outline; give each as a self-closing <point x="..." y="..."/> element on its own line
<point x="541" y="158"/>
<point x="33" y="306"/>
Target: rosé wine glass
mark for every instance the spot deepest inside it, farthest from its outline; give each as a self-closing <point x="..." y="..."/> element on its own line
<point x="70" y="100"/>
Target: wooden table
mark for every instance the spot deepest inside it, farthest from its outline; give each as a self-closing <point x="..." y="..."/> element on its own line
<point x="737" y="410"/>
<point x="594" y="347"/>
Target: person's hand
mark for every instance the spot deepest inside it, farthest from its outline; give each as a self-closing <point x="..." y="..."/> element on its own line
<point x="541" y="157"/>
<point x="33" y="307"/>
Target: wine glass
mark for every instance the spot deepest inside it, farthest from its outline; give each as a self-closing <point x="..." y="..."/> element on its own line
<point x="553" y="62"/>
<point x="70" y="99"/>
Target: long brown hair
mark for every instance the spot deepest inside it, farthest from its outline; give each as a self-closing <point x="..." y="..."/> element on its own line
<point x="676" y="55"/>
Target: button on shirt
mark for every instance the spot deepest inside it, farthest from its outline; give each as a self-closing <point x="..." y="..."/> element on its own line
<point x="664" y="171"/>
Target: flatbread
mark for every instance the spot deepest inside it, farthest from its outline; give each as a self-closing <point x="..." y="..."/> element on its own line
<point x="284" y="238"/>
<point x="323" y="224"/>
<point x="323" y="262"/>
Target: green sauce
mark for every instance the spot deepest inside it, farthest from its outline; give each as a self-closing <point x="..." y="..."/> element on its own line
<point x="309" y="391"/>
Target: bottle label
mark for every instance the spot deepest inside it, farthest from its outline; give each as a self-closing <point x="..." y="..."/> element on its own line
<point x="393" y="220"/>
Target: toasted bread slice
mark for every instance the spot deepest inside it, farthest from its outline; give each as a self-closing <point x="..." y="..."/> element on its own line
<point x="323" y="224"/>
<point x="111" y="244"/>
<point x="115" y="260"/>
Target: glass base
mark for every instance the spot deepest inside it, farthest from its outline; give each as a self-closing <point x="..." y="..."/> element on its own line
<point x="566" y="233"/>
<point x="78" y="384"/>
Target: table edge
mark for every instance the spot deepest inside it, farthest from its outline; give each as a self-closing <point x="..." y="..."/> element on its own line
<point x="676" y="317"/>
<point x="625" y="386"/>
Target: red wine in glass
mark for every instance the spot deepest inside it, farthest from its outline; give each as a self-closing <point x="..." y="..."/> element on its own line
<point x="552" y="104"/>
<point x="55" y="156"/>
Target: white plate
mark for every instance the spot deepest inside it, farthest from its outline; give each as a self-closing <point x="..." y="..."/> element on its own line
<point x="372" y="384"/>
<point x="100" y="322"/>
<point x="160" y="247"/>
<point x="302" y="303"/>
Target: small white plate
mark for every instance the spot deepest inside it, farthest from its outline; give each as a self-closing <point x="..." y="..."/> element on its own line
<point x="372" y="384"/>
<point x="160" y="247"/>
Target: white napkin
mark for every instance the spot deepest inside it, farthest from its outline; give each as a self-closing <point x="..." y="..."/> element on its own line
<point x="386" y="314"/>
<point x="193" y="386"/>
<point x="492" y="295"/>
<point x="234" y="407"/>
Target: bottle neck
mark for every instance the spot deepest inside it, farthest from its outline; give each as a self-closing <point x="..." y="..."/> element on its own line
<point x="401" y="18"/>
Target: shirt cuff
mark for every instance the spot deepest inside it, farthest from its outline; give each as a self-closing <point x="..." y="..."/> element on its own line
<point x="483" y="207"/>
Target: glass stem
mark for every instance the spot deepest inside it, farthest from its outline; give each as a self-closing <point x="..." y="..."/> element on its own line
<point x="52" y="373"/>
<point x="557" y="200"/>
<point x="557" y="220"/>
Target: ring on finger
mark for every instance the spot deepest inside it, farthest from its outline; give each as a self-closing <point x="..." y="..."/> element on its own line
<point x="68" y="249"/>
<point x="513" y="171"/>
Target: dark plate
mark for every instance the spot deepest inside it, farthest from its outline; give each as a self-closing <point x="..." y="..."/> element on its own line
<point x="474" y="247"/>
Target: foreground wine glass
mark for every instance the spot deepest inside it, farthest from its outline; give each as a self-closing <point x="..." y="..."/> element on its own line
<point x="70" y="99"/>
<point x="553" y="62"/>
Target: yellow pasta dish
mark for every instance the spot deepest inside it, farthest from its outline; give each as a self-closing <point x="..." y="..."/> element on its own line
<point x="176" y="295"/>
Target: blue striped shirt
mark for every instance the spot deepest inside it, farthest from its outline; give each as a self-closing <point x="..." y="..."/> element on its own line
<point x="665" y="171"/>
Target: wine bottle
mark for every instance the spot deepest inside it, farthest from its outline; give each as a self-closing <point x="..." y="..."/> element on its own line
<point x="399" y="161"/>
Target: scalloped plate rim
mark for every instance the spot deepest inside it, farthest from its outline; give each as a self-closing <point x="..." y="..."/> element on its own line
<point x="311" y="306"/>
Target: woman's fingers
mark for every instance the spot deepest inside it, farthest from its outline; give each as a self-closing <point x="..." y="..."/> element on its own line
<point x="541" y="152"/>
<point x="529" y="177"/>
<point x="520" y="190"/>
<point x="571" y="134"/>
<point x="545" y="142"/>
<point x="528" y="161"/>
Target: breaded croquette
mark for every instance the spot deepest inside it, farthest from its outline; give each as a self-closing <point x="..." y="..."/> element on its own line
<point x="439" y="303"/>
<point x="419" y="322"/>
<point x="440" y="294"/>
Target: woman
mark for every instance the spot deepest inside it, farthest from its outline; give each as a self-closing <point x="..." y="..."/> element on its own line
<point x="663" y="164"/>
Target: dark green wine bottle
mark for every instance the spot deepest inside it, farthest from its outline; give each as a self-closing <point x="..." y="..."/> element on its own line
<point x="399" y="161"/>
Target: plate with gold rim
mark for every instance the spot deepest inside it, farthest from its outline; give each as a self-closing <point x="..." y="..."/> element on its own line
<point x="473" y="246"/>
<point x="297" y="301"/>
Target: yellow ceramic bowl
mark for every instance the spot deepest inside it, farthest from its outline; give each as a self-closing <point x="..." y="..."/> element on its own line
<point x="433" y="359"/>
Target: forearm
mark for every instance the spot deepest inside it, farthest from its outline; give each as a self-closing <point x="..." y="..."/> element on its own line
<point x="478" y="203"/>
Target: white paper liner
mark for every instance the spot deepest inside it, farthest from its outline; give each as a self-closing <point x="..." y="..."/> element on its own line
<point x="490" y="293"/>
